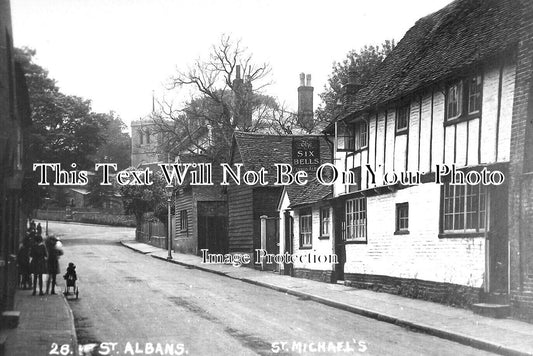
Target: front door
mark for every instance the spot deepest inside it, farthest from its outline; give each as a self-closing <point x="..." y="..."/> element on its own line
<point x="340" y="246"/>
<point x="212" y="234"/>
<point x="497" y="241"/>
<point x="272" y="238"/>
<point x="289" y="221"/>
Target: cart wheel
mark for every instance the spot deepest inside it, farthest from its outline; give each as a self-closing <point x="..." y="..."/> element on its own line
<point x="77" y="292"/>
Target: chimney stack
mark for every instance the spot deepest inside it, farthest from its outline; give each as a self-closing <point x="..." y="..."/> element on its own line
<point x="305" y="101"/>
<point x="242" y="92"/>
<point x="351" y="88"/>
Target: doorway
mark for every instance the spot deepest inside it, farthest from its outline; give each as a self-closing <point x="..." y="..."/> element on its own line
<point x="289" y="221"/>
<point x="497" y="240"/>
<point x="340" y="240"/>
<point x="212" y="227"/>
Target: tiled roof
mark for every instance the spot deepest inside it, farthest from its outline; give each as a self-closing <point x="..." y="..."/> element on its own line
<point x="310" y="193"/>
<point x="440" y="45"/>
<point x="260" y="150"/>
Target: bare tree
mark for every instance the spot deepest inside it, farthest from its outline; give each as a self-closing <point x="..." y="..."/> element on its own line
<point x="227" y="95"/>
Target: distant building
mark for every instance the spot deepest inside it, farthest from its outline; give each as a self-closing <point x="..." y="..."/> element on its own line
<point x="146" y="140"/>
<point x="15" y="119"/>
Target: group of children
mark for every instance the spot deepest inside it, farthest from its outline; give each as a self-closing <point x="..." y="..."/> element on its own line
<point x="40" y="257"/>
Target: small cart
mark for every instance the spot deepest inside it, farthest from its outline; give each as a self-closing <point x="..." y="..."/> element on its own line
<point x="71" y="284"/>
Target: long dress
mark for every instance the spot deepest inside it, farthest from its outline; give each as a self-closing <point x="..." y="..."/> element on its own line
<point x="38" y="259"/>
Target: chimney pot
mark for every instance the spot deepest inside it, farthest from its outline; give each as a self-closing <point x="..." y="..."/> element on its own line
<point x="238" y="71"/>
<point x="302" y="79"/>
<point x="308" y="80"/>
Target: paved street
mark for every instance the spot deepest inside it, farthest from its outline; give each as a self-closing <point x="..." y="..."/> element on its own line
<point x="128" y="298"/>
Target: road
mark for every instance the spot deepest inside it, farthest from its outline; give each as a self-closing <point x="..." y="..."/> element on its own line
<point x="135" y="305"/>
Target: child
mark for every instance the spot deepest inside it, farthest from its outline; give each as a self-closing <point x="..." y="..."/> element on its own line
<point x="70" y="276"/>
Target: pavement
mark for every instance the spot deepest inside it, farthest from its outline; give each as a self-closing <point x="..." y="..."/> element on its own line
<point x="502" y="336"/>
<point x="46" y="326"/>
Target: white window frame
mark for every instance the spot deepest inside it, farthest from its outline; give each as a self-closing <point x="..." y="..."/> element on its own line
<point x="403" y="109"/>
<point x="325" y="222"/>
<point x="306" y="228"/>
<point x="356" y="219"/>
<point x="462" y="206"/>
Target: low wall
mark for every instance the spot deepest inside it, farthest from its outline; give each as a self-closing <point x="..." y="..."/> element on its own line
<point x="440" y="292"/>
<point x="92" y="217"/>
<point x="315" y="275"/>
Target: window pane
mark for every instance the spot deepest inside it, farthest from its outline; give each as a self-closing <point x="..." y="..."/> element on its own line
<point x="356" y="219"/>
<point x="306" y="227"/>
<point x="454" y="100"/>
<point x="360" y="136"/>
<point x="464" y="208"/>
<point x="363" y="133"/>
<point x="474" y="94"/>
<point x="324" y="221"/>
<point x="403" y="118"/>
<point x="402" y="214"/>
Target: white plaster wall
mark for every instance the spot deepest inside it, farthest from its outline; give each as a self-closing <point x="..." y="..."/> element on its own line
<point x="421" y="254"/>
<point x="319" y="246"/>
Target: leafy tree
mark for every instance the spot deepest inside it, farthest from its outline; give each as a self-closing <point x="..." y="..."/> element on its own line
<point x="116" y="143"/>
<point x="64" y="128"/>
<point x="99" y="193"/>
<point x="141" y="199"/>
<point x="363" y="64"/>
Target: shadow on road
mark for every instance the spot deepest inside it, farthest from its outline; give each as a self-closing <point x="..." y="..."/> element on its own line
<point x="89" y="241"/>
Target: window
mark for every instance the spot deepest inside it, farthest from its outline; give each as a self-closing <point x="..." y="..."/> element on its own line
<point x="463" y="98"/>
<point x="355" y="174"/>
<point x="324" y="222"/>
<point x="474" y="94"/>
<point x="402" y="218"/>
<point x="147" y="136"/>
<point x="184" y="221"/>
<point x="454" y="105"/>
<point x="141" y="137"/>
<point x="464" y="208"/>
<point x="352" y="137"/>
<point x="306" y="228"/>
<point x="356" y="219"/>
<point x="360" y="135"/>
<point x="402" y="119"/>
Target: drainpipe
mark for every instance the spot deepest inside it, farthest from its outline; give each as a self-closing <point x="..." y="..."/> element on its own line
<point x="263" y="238"/>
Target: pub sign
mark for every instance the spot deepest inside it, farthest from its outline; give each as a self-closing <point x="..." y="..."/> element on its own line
<point x="305" y="153"/>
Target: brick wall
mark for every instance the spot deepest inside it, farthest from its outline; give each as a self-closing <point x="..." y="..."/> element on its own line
<point x="445" y="293"/>
<point x="315" y="275"/>
<point x="521" y="181"/>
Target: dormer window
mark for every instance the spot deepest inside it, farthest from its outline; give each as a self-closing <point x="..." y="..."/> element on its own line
<point x="463" y="99"/>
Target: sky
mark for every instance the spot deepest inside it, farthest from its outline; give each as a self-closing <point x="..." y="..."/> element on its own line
<point x="117" y="52"/>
